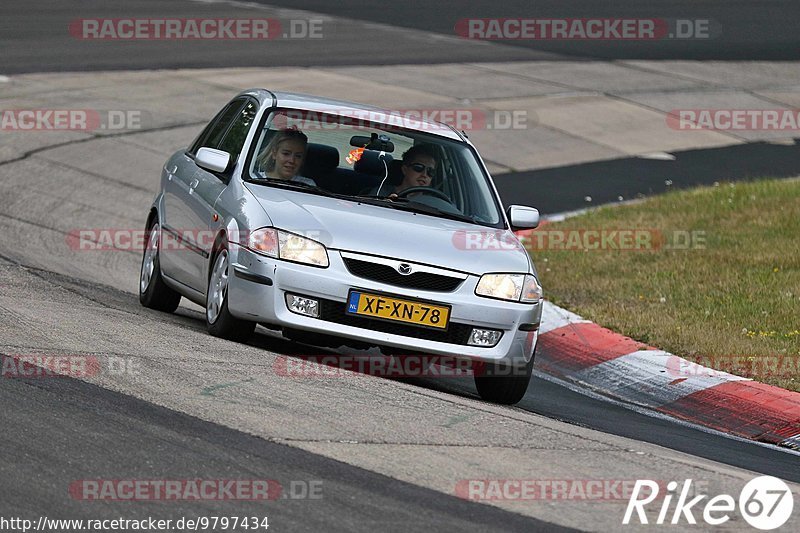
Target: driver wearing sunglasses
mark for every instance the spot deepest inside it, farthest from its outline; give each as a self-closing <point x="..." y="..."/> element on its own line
<point x="418" y="168"/>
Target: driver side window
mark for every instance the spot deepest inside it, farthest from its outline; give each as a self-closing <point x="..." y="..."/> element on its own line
<point x="234" y="139"/>
<point x="212" y="135"/>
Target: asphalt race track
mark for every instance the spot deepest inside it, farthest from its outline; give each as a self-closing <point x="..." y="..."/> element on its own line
<point x="749" y="31"/>
<point x="635" y="177"/>
<point x="387" y="454"/>
<point x="122" y="436"/>
<point x="740" y="26"/>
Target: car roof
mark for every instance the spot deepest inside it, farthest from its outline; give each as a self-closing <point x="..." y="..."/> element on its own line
<point x="307" y="102"/>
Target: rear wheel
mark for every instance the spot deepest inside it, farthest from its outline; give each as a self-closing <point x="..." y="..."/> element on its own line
<point x="153" y="292"/>
<point x="219" y="321"/>
<point x="503" y="383"/>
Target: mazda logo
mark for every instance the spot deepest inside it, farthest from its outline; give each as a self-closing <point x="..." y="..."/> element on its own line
<point x="404" y="269"/>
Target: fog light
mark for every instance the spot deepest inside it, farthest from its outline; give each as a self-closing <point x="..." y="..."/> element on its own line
<point x="484" y="337"/>
<point x="302" y="305"/>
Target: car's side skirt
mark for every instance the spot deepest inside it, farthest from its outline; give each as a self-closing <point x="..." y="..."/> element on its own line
<point x="197" y="297"/>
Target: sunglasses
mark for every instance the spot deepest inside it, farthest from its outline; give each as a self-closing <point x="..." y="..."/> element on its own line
<point x="419" y="167"/>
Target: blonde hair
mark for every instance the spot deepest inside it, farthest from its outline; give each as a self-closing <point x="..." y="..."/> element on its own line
<point x="266" y="159"/>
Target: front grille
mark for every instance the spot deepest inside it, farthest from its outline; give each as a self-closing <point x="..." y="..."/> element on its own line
<point x="332" y="311"/>
<point x="416" y="280"/>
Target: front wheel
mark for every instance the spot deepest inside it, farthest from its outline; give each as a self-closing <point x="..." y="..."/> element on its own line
<point x="503" y="383"/>
<point x="219" y="321"/>
<point x="153" y="292"/>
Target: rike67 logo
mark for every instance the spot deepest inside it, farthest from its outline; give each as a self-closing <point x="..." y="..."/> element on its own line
<point x="765" y="503"/>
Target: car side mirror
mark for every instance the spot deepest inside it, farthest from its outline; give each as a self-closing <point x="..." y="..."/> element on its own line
<point x="212" y="160"/>
<point x="523" y="217"/>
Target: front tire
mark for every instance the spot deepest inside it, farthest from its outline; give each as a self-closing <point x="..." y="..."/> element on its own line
<point x="153" y="292"/>
<point x="503" y="383"/>
<point x="219" y="321"/>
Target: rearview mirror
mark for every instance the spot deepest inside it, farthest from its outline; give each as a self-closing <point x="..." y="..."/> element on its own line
<point x="523" y="217"/>
<point x="212" y="160"/>
<point x="379" y="143"/>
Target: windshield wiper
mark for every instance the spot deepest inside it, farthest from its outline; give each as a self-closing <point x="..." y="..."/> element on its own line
<point x="296" y="185"/>
<point x="407" y="204"/>
<point x="373" y="200"/>
<point x="416" y="207"/>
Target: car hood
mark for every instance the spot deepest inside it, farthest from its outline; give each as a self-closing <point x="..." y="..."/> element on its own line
<point x="415" y="237"/>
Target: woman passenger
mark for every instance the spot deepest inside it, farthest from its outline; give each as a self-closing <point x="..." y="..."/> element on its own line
<point x="283" y="157"/>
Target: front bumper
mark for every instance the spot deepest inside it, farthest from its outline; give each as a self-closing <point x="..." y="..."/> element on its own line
<point x="257" y="286"/>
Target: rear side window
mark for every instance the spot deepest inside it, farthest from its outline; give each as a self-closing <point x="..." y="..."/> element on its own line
<point x="212" y="135"/>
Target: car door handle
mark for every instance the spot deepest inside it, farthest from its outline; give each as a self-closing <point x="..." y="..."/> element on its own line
<point x="171" y="171"/>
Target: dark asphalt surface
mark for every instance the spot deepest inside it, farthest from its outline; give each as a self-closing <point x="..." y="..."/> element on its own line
<point x="741" y="30"/>
<point x="35" y="36"/>
<point x="555" y="190"/>
<point x="555" y="401"/>
<point x="65" y="430"/>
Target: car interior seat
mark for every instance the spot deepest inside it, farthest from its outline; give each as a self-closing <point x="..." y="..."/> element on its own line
<point x="321" y="163"/>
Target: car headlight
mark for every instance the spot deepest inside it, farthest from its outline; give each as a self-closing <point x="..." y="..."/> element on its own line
<point x="288" y="246"/>
<point x="523" y="288"/>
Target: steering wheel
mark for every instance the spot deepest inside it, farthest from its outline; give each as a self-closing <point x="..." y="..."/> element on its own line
<point x="424" y="190"/>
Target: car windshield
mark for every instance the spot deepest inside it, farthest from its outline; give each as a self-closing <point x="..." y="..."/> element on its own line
<point x="349" y="157"/>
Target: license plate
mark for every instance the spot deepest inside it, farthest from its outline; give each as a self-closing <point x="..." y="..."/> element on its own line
<point x="398" y="310"/>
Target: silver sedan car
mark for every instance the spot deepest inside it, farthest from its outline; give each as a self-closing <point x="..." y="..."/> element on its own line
<point x="341" y="224"/>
